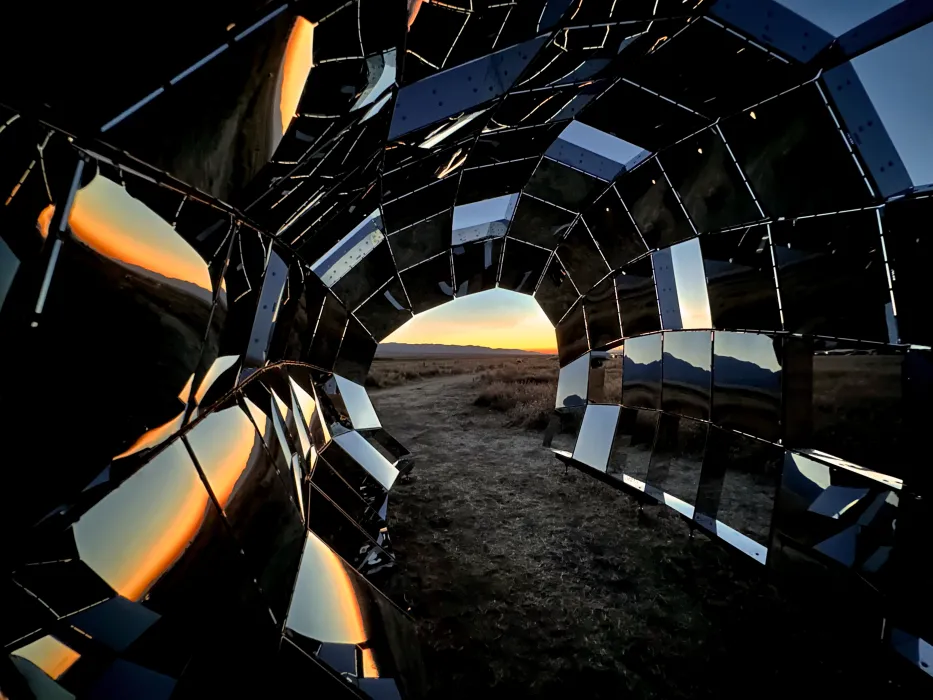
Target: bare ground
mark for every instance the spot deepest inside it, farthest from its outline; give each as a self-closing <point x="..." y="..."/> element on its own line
<point x="531" y="581"/>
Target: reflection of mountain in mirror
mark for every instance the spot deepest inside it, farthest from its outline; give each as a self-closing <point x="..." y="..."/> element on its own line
<point x="747" y="383"/>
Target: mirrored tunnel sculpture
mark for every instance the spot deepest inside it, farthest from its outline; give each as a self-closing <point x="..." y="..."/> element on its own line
<point x="722" y="208"/>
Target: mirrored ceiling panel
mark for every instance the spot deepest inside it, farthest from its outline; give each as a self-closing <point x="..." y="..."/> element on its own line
<point x="563" y="185"/>
<point x="709" y="183"/>
<point x="593" y="151"/>
<point x="832" y="276"/>
<point x="793" y="139"/>
<point x="522" y="266"/>
<point x="581" y="256"/>
<point x="556" y="292"/>
<point x="638" y="298"/>
<point x="539" y="222"/>
<point x="429" y="283"/>
<point x="614" y="230"/>
<point x="476" y="265"/>
<point x="654" y="206"/>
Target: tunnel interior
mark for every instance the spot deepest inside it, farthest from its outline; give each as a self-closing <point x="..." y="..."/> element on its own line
<point x="212" y="220"/>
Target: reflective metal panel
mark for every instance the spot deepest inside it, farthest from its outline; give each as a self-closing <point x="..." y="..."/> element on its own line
<point x="385" y="310"/>
<point x="686" y="373"/>
<point x="747" y="383"/>
<point x="830" y="513"/>
<point x="334" y="604"/>
<point x="579" y="253"/>
<point x="328" y="334"/>
<point x="832" y="276"/>
<point x="356" y="447"/>
<point x="420" y="241"/>
<point x="429" y="283"/>
<point x="595" y="438"/>
<point x="641" y="372"/>
<point x="909" y="256"/>
<point x="614" y="230"/>
<point x="708" y="182"/>
<point x="571" y="335"/>
<point x="633" y="443"/>
<point x="476" y="265"/>
<point x="540" y="223"/>
<point x="738" y="486"/>
<point x="677" y="458"/>
<point x="556" y="292"/>
<point x="562" y="185"/>
<point x="602" y="314"/>
<point x="605" y="380"/>
<point x="522" y="266"/>
<point x="794" y="156"/>
<point x="654" y="206"/>
<point x="572" y="383"/>
<point x="562" y="429"/>
<point x="740" y="279"/>
<point x="638" y="299"/>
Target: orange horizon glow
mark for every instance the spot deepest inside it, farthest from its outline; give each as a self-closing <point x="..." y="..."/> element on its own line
<point x="111" y="222"/>
<point x="297" y="64"/>
<point x="496" y="318"/>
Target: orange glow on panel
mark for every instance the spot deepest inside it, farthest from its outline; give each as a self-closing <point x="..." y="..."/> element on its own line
<point x="370" y="669"/>
<point x="325" y="605"/>
<point x="136" y="533"/>
<point x="107" y="219"/>
<point x="297" y="65"/>
<point x="165" y="549"/>
<point x="50" y="655"/>
<point x="413" y="7"/>
<point x="153" y="437"/>
<point x="223" y="444"/>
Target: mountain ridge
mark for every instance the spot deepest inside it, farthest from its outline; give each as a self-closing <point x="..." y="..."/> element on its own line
<point x="433" y="349"/>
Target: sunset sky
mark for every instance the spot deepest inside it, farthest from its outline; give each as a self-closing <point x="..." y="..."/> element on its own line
<point x="497" y="318"/>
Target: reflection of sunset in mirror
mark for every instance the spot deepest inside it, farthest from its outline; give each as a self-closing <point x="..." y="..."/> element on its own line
<point x="50" y="655"/>
<point x="106" y="218"/>
<point x="296" y="66"/>
<point x="222" y="444"/>
<point x="136" y="533"/>
<point x="325" y="606"/>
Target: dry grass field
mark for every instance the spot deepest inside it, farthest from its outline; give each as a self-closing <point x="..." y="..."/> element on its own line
<point x="529" y="580"/>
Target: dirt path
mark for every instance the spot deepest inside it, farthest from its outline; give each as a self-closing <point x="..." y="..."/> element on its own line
<point x="529" y="581"/>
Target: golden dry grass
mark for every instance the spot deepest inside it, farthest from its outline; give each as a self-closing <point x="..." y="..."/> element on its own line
<point x="523" y="391"/>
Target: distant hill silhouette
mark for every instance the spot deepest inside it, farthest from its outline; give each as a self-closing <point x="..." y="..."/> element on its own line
<point x="730" y="372"/>
<point x="734" y="372"/>
<point x="436" y="349"/>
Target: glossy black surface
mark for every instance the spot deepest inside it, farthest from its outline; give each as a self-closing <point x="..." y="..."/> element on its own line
<point x="686" y="373"/>
<point x="641" y="372"/>
<point x="197" y="266"/>
<point x="747" y="388"/>
<point x="677" y="458"/>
